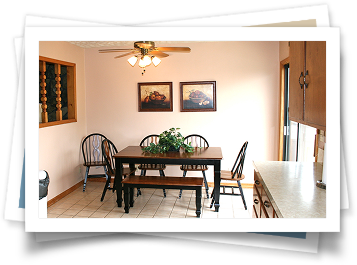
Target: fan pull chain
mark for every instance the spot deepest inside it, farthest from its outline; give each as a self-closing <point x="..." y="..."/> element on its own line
<point x="143" y="71"/>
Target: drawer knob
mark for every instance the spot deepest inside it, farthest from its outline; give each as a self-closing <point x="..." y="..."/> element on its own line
<point x="256" y="201"/>
<point x="267" y="204"/>
<point x="257" y="182"/>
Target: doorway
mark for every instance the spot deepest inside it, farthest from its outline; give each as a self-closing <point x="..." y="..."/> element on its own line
<point x="297" y="141"/>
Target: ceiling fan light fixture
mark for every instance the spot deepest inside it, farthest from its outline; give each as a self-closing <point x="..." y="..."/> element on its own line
<point x="141" y="63"/>
<point x="132" y="60"/>
<point x="156" y="61"/>
<point x="145" y="61"/>
<point x="146" y="53"/>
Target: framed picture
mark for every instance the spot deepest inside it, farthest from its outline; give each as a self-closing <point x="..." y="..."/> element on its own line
<point x="156" y="96"/>
<point x="198" y="96"/>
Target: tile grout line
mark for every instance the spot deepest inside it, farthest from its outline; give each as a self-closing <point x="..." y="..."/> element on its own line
<point x="144" y="205"/>
<point x="106" y="207"/>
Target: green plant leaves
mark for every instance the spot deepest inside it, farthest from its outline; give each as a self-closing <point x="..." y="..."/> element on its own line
<point x="170" y="138"/>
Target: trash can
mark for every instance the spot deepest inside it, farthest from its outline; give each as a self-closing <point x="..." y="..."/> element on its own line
<point x="44" y="181"/>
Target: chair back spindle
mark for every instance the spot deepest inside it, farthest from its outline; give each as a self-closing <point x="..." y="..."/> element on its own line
<point x="196" y="140"/>
<point x="109" y="150"/>
<point x="152" y="138"/>
<point x="91" y="148"/>
<point x="237" y="168"/>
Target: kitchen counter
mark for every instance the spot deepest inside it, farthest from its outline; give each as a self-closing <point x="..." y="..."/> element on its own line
<point x="291" y="188"/>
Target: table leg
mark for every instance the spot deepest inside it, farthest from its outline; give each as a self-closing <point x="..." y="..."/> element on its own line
<point x="198" y="201"/>
<point x="217" y="183"/>
<point x="132" y="168"/>
<point x="117" y="181"/>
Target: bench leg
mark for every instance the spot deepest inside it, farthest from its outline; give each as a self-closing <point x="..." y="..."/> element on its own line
<point x="143" y="173"/>
<point x="131" y="196"/>
<point x="198" y="201"/>
<point x="162" y="174"/>
<point x="183" y="175"/>
<point x="126" y="198"/>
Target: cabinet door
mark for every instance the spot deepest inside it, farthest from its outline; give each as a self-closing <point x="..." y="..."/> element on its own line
<point x="296" y="67"/>
<point x="315" y="92"/>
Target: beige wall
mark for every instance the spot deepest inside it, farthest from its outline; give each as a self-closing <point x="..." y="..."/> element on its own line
<point x="283" y="50"/>
<point x="59" y="146"/>
<point x="247" y="76"/>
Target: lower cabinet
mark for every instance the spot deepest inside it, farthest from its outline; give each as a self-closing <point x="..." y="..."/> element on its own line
<point x="262" y="207"/>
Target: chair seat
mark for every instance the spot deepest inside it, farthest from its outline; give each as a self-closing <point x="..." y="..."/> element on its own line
<point x="194" y="167"/>
<point x="152" y="167"/>
<point x="227" y="175"/>
<point x="126" y="172"/>
<point x="95" y="164"/>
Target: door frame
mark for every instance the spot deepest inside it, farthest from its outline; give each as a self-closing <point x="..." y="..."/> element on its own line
<point x="282" y="99"/>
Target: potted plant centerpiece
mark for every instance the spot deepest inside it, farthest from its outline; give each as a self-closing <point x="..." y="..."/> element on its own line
<point x="170" y="140"/>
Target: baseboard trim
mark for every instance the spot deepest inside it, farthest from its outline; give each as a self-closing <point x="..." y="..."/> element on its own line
<point x="64" y="194"/>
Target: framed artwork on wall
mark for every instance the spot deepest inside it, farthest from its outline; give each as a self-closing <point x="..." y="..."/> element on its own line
<point x="198" y="96"/>
<point x="155" y="96"/>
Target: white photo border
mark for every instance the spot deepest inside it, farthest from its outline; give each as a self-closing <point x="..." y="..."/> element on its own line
<point x="35" y="34"/>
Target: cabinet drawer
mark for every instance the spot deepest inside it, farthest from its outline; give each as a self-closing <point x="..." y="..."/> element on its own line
<point x="257" y="183"/>
<point x="262" y="207"/>
<point x="266" y="205"/>
<point x="256" y="204"/>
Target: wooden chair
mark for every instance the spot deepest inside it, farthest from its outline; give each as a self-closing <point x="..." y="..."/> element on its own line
<point x="152" y="138"/>
<point x="108" y="150"/>
<point x="196" y="141"/>
<point x="92" y="155"/>
<point x="234" y="175"/>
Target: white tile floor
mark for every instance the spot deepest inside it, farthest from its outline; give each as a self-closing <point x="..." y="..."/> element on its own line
<point x="151" y="204"/>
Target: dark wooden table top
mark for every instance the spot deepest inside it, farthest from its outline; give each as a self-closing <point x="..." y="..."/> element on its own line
<point x="207" y="153"/>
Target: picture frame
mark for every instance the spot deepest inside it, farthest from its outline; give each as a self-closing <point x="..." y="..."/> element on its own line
<point x="155" y="96"/>
<point x="198" y="96"/>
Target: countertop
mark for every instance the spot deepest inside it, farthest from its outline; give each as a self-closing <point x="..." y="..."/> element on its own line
<point x="291" y="188"/>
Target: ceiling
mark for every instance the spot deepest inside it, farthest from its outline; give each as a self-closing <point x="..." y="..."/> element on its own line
<point x="101" y="44"/>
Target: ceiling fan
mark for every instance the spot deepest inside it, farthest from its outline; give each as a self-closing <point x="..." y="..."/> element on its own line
<point x="146" y="52"/>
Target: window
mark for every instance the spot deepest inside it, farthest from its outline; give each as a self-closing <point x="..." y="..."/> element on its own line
<point x="57" y="92"/>
<point x="300" y="144"/>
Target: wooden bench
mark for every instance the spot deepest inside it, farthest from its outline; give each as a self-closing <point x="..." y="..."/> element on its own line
<point x="158" y="182"/>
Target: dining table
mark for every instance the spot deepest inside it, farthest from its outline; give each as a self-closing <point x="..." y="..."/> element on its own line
<point x="133" y="155"/>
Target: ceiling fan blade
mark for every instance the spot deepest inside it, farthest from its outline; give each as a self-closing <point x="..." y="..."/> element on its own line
<point x="115" y="50"/>
<point x="125" y="54"/>
<point x="159" y="54"/>
<point x="173" y="49"/>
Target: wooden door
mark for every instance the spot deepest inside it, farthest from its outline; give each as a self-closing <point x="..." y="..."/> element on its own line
<point x="296" y="93"/>
<point x="315" y="92"/>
